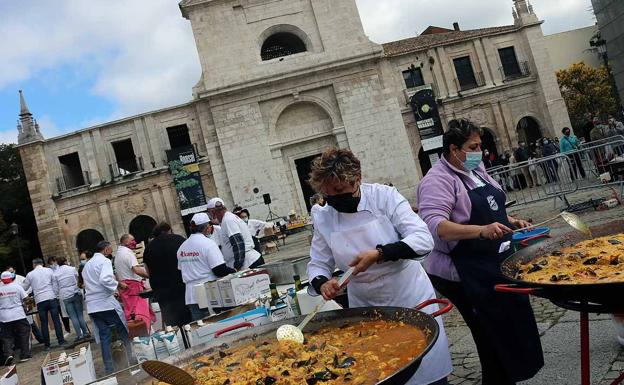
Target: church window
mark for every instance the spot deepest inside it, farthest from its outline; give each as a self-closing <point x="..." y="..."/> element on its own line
<point x="127" y="161"/>
<point x="413" y="78"/>
<point x="178" y="136"/>
<point x="282" y="44"/>
<point x="71" y="171"/>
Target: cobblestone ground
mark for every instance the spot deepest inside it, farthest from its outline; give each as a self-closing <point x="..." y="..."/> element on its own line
<point x="559" y="328"/>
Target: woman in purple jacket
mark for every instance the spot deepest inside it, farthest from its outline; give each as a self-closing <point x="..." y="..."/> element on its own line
<point x="464" y="209"/>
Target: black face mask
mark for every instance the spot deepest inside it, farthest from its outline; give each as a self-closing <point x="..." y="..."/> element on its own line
<point x="343" y="203"/>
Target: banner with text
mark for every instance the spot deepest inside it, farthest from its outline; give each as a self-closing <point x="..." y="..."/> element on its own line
<point x="425" y="109"/>
<point x="185" y="172"/>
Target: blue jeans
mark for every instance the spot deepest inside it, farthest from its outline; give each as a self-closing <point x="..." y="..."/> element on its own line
<point x="197" y="313"/>
<point x="104" y="320"/>
<point x="73" y="306"/>
<point x="50" y="306"/>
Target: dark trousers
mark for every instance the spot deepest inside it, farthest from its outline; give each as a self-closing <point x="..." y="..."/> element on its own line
<point x="51" y="307"/>
<point x="259" y="262"/>
<point x="105" y="320"/>
<point x="576" y="166"/>
<point x="492" y="371"/>
<point x="174" y="312"/>
<point x="16" y="333"/>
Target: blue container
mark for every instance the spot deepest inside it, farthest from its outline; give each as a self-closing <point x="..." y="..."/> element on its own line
<point x="519" y="237"/>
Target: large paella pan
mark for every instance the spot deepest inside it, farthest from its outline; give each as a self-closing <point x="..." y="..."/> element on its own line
<point x="219" y="361"/>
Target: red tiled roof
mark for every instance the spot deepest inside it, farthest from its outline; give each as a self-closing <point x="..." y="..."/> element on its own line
<point x="421" y="42"/>
<point x="434" y="29"/>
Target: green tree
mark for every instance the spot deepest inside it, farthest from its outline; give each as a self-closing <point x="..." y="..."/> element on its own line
<point x="587" y="92"/>
<point x="15" y="207"/>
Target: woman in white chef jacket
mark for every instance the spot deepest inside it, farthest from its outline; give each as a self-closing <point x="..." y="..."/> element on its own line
<point x="374" y="228"/>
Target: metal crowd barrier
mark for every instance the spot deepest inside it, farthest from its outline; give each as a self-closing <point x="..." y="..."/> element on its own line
<point x="556" y="176"/>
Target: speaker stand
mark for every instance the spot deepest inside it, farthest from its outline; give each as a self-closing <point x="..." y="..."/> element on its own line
<point x="272" y="216"/>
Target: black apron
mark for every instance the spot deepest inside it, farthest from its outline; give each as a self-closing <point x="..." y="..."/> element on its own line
<point x="507" y="318"/>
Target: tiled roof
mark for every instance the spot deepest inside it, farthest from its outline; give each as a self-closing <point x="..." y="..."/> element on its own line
<point x="422" y="42"/>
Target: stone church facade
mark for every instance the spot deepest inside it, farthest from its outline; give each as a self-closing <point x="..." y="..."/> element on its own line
<point x="281" y="81"/>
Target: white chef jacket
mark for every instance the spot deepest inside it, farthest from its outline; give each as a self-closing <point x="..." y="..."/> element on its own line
<point x="100" y="284"/>
<point x="378" y="200"/>
<point x="230" y="225"/>
<point x="125" y="259"/>
<point x="197" y="256"/>
<point x="11" y="298"/>
<point x="67" y="281"/>
<point x="256" y="227"/>
<point x="42" y="283"/>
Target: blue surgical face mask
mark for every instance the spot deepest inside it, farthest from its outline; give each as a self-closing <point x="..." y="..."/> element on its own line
<point x="473" y="160"/>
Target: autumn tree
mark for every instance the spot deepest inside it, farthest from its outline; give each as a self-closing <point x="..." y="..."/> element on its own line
<point x="587" y="92"/>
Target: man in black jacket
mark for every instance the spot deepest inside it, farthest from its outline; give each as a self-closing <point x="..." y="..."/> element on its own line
<point x="161" y="261"/>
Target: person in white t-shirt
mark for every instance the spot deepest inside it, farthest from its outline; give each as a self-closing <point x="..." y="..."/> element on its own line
<point x="13" y="323"/>
<point x="200" y="261"/>
<point x="237" y="244"/>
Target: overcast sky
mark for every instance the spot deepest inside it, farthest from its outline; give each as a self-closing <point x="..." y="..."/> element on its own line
<point x="86" y="62"/>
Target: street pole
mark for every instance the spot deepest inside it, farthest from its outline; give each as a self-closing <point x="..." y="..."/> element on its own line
<point x="19" y="249"/>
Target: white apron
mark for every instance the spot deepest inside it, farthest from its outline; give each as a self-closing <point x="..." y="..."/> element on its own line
<point x="403" y="283"/>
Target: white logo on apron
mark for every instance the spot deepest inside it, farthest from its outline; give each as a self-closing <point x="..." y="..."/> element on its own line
<point x="492" y="202"/>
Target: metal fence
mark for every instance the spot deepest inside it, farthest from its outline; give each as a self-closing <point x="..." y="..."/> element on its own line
<point x="594" y="165"/>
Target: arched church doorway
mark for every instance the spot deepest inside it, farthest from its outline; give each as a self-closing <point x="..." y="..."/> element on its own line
<point x="488" y="142"/>
<point x="87" y="239"/>
<point x="141" y="227"/>
<point x="528" y="130"/>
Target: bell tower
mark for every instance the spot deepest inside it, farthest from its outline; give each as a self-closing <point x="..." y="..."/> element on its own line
<point x="242" y="43"/>
<point x="27" y="126"/>
<point x="36" y="168"/>
<point x="523" y="13"/>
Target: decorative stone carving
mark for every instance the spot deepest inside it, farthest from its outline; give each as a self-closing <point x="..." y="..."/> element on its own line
<point x="135" y="204"/>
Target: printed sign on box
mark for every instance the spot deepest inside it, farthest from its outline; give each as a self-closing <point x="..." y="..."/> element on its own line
<point x="239" y="290"/>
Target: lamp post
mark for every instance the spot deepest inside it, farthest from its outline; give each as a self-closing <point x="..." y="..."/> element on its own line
<point x="601" y="46"/>
<point x="14" y="228"/>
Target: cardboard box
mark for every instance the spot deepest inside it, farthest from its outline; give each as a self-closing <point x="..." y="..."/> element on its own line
<point x="237" y="289"/>
<point x="200" y="333"/>
<point x="160" y="347"/>
<point x="10" y="377"/>
<point x="208" y="295"/>
<point x="75" y="369"/>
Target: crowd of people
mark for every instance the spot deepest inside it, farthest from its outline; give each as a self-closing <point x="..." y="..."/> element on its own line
<point x="532" y="173"/>
<point x="107" y="284"/>
<point x="461" y="235"/>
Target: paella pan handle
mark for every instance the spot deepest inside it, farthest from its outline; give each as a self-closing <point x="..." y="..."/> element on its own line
<point x="448" y="306"/>
<point x="233" y="327"/>
<point x="525" y="242"/>
<point x="511" y="288"/>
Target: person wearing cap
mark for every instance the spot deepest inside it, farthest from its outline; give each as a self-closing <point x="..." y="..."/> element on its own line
<point x="45" y="290"/>
<point x="19" y="279"/>
<point x="200" y="261"/>
<point x="13" y="323"/>
<point x="236" y="241"/>
<point x="102" y="306"/>
<point x="128" y="271"/>
<point x="67" y="281"/>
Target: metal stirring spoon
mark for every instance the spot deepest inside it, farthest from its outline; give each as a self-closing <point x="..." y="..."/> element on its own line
<point x="571" y="219"/>
<point x="295" y="333"/>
